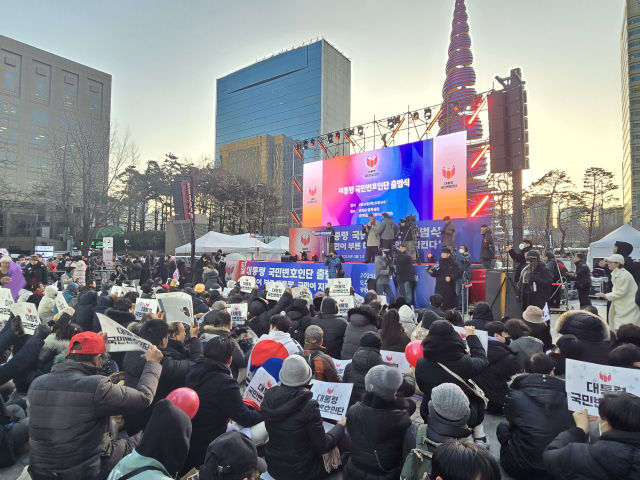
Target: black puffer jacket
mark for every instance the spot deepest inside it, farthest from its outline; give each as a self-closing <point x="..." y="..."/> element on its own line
<point x="299" y="314"/>
<point x="482" y="316"/>
<point x="503" y="365"/>
<point x="591" y="330"/>
<point x="519" y="258"/>
<point x="543" y="280"/>
<point x="333" y="325"/>
<point x="537" y="412"/>
<point x="261" y="311"/>
<point x="364" y="360"/>
<point x="448" y="267"/>
<point x="542" y="332"/>
<point x="297" y="439"/>
<point x="199" y="305"/>
<point x="377" y="430"/>
<point x="615" y="456"/>
<point x="104" y="304"/>
<point x="360" y="320"/>
<point x="210" y="279"/>
<point x="84" y="310"/>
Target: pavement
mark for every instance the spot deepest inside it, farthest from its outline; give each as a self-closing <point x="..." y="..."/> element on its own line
<point x="490" y="421"/>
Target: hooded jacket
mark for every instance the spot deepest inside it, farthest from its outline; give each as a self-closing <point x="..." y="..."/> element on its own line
<point x="104" y="304"/>
<point x="51" y="349"/>
<point x="447" y="267"/>
<point x="482" y="316"/>
<point x="382" y="270"/>
<point x="591" y="330"/>
<point x="47" y="304"/>
<point x="333" y="326"/>
<point x="625" y="249"/>
<point x="261" y="311"/>
<point x="537" y="412"/>
<point x="84" y="310"/>
<point x="211" y="278"/>
<point x="300" y="317"/>
<point x="360" y="321"/>
<point x="503" y="364"/>
<point x="364" y="360"/>
<point x="297" y="439"/>
<point x="407" y="318"/>
<point x="440" y="429"/>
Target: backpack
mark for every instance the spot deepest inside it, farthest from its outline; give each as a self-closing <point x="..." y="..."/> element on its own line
<point x="418" y="463"/>
<point x="311" y="361"/>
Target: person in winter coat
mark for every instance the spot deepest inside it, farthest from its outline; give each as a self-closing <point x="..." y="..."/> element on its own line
<point x="297" y="439"/>
<point x="446" y="271"/>
<point x="443" y="345"/>
<point x="261" y="311"/>
<point x="161" y="268"/>
<point x="404" y="273"/>
<point x="482" y="316"/>
<point x="448" y="233"/>
<point x="198" y="269"/>
<point x="300" y="317"/>
<point x="333" y="325"/>
<point x="220" y="399"/>
<point x="383" y="275"/>
<point x="386" y="232"/>
<point x="625" y="249"/>
<point x="591" y="330"/>
<point x="135" y="273"/>
<point x="84" y="310"/>
<point x="175" y="367"/>
<point x="221" y="324"/>
<point x="536" y="412"/>
<point x="276" y="344"/>
<point x="522" y="342"/>
<point x="55" y="347"/>
<point x="582" y="277"/>
<point x="360" y="320"/>
<point x="373" y="242"/>
<point x="70" y="428"/>
<point x="37" y="293"/>
<point x="394" y="337"/>
<point x="487" y="250"/>
<point x="122" y="312"/>
<point x="567" y="346"/>
<point x="69" y="276"/>
<point x="554" y="268"/>
<point x="333" y="263"/>
<point x="407" y="319"/>
<point x="532" y="317"/>
<point x="535" y="282"/>
<point x="463" y="259"/>
<point x="365" y="358"/>
<point x="519" y="258"/>
<point x="162" y="455"/>
<point x="623" y="305"/>
<point x="321" y="364"/>
<point x="210" y="277"/>
<point x="503" y="364"/>
<point x="81" y="271"/>
<point x="105" y="302"/>
<point x="35" y="271"/>
<point x="377" y="426"/>
<point x="11" y="276"/>
<point x="30" y="345"/>
<point x="615" y="455"/>
<point x="47" y="304"/>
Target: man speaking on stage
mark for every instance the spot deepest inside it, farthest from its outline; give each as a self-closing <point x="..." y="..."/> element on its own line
<point x="373" y="242"/>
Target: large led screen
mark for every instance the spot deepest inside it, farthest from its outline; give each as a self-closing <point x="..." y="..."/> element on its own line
<point x="427" y="179"/>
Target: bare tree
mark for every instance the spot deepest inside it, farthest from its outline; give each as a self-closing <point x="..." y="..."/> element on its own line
<point x="598" y="188"/>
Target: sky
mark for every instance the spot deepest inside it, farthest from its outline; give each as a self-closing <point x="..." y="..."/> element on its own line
<point x="164" y="57"/>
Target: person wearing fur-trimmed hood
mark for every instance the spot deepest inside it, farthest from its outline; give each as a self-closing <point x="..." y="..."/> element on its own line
<point x="591" y="330"/>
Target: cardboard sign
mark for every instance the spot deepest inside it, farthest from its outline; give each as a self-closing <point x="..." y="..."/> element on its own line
<point x="144" y="306"/>
<point x="116" y="290"/>
<point x="247" y="283"/>
<point x="481" y="334"/>
<point x="260" y="383"/>
<point x="303" y="292"/>
<point x="61" y="302"/>
<point x="339" y="286"/>
<point x="586" y="384"/>
<point x="6" y="300"/>
<point x="28" y="313"/>
<point x="275" y="290"/>
<point x="119" y="339"/>
<point x="345" y="302"/>
<point x="396" y="359"/>
<point x="238" y="312"/>
<point x="177" y="306"/>
<point x="341" y="365"/>
<point x="332" y="397"/>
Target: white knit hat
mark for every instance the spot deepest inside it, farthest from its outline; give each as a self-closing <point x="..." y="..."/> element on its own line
<point x="6" y="258"/>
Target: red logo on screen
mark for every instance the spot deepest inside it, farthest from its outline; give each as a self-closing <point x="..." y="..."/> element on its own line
<point x="305" y="239"/>
<point x="330" y="390"/>
<point x="371" y="161"/>
<point x="230" y="268"/>
<point x="605" y="378"/>
<point x="312" y="191"/>
<point x="448" y="172"/>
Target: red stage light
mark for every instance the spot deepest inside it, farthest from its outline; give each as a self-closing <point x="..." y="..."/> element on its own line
<point x="480" y="205"/>
<point x="478" y="110"/>
<point x="484" y="150"/>
<point x="435" y="119"/>
<point x="296" y="218"/>
<point x="322" y="146"/>
<point x="337" y="136"/>
<point x="297" y="152"/>
<point x="312" y="143"/>
<point x="349" y="139"/>
<point x="397" y="128"/>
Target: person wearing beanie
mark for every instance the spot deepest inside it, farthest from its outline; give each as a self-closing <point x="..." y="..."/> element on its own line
<point x="199" y="288"/>
<point x="377" y="425"/>
<point x="300" y="316"/>
<point x="532" y="316"/>
<point x="625" y="249"/>
<point x="535" y="282"/>
<point x="297" y="439"/>
<point x="321" y="364"/>
<point x="261" y="310"/>
<point x="333" y="325"/>
<point x="443" y="345"/>
<point x="231" y="456"/>
<point x="359" y="321"/>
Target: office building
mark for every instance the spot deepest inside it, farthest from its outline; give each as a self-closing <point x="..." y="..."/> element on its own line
<point x="41" y="94"/>
<point x="262" y="109"/>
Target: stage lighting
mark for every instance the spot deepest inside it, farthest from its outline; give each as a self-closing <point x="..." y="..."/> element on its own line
<point x="297" y="185"/>
<point x="296" y="218"/>
<point x="482" y="152"/>
<point x="456" y="107"/>
<point x="296" y="149"/>
<point x="416" y="116"/>
<point x="360" y="131"/>
<point x="435" y="119"/>
<point x="427" y="114"/>
<point x="349" y="138"/>
<point x="398" y="127"/>
<point x="351" y="132"/>
<point x="322" y="146"/>
<point x="384" y="139"/>
<point x="330" y="138"/>
<point x="430" y="258"/>
<point x="312" y="143"/>
<point x="305" y="144"/>
<point x="389" y="122"/>
<point x="480" y="205"/>
<point x="337" y="136"/>
<point x="477" y="111"/>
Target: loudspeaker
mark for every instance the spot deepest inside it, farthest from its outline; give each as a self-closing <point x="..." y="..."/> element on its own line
<point x="501" y="294"/>
<point x="288" y="259"/>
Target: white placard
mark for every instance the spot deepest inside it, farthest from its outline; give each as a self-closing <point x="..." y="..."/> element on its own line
<point x="28" y="313"/>
<point x="275" y="290"/>
<point x="359" y="299"/>
<point x="339" y="286"/>
<point x="332" y="397"/>
<point x="397" y="359"/>
<point x="345" y="302"/>
<point x="6" y="300"/>
<point x="177" y="307"/>
<point x="144" y="306"/>
<point x="586" y="384"/>
<point x="302" y="292"/>
<point x="61" y="302"/>
<point x="383" y="300"/>
<point x="126" y="289"/>
<point x="119" y="339"/>
<point x="260" y="383"/>
<point x="247" y="283"/>
<point x="481" y="334"/>
<point x="546" y="317"/>
<point x="226" y="292"/>
<point x="341" y="365"/>
<point x="117" y="290"/>
<point x="238" y="312"/>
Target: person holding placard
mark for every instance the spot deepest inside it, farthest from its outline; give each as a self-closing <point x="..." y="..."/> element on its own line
<point x="261" y="310"/>
<point x="30" y="346"/>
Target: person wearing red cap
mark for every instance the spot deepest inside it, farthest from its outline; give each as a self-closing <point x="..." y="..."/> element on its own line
<point x="71" y="432"/>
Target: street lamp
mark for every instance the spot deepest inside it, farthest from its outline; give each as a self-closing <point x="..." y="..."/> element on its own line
<point x="245" y="206"/>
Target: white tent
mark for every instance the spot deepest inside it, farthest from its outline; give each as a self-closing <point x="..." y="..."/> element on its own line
<point x="279" y="245"/>
<point x="604" y="247"/>
<point x="213" y="241"/>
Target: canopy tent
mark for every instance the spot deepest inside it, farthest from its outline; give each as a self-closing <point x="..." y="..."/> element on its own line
<point x="214" y="241"/>
<point x="604" y="247"/>
<point x="279" y="245"/>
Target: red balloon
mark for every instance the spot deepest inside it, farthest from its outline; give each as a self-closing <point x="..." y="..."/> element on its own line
<point x="186" y="400"/>
<point x="413" y="352"/>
